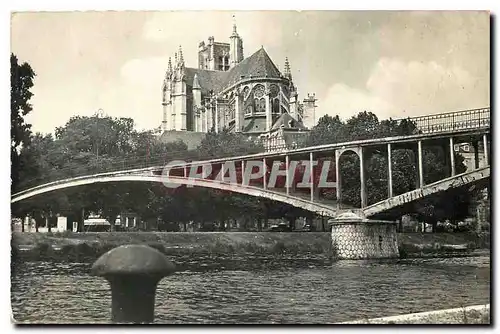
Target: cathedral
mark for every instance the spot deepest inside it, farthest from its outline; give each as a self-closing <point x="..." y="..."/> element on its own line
<point x="248" y="95"/>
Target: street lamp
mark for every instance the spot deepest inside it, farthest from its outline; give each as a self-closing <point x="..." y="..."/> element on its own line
<point x="98" y="114"/>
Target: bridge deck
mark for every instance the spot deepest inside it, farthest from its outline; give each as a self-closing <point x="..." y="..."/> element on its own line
<point x="434" y="128"/>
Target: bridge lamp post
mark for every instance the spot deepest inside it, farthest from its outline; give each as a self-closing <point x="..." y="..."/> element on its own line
<point x="98" y="114"/>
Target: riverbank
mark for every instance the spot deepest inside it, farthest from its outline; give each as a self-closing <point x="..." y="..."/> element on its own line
<point x="83" y="247"/>
<point x="477" y="315"/>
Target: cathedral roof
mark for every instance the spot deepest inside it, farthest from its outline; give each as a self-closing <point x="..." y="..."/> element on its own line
<point x="255" y="125"/>
<point x="208" y="79"/>
<point x="288" y="122"/>
<point x="258" y="65"/>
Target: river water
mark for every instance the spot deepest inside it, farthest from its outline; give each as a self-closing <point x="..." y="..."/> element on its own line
<point x="258" y="290"/>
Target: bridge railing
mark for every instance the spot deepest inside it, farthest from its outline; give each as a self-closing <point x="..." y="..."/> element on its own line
<point x="457" y="120"/>
<point x="112" y="164"/>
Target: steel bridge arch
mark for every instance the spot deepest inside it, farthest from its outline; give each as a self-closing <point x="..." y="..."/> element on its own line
<point x="176" y="180"/>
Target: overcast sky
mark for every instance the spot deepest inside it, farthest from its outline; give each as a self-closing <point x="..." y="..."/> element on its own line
<point x="395" y="64"/>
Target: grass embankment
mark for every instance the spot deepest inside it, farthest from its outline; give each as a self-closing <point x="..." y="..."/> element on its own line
<point x="441" y="244"/>
<point x="89" y="246"/>
<point x="83" y="247"/>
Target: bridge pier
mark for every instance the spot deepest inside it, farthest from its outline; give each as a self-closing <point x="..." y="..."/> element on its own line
<point x="355" y="238"/>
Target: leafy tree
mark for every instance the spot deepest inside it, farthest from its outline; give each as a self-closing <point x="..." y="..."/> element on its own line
<point x="328" y="130"/>
<point x="90" y="144"/>
<point x="226" y="144"/>
<point x="86" y="145"/>
<point x="366" y="125"/>
<point x="21" y="81"/>
<point x="37" y="160"/>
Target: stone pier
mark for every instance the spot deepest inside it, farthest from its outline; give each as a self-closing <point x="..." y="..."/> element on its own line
<point x="356" y="238"/>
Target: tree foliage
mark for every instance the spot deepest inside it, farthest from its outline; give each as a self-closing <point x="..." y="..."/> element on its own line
<point x="226" y="144"/>
<point x="366" y="125"/>
<point x="21" y="81"/>
<point x="85" y="144"/>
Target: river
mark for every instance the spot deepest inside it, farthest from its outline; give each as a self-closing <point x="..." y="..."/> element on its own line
<point x="258" y="290"/>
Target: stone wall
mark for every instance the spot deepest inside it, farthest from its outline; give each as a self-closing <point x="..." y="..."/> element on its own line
<point x="364" y="240"/>
<point x="477" y="314"/>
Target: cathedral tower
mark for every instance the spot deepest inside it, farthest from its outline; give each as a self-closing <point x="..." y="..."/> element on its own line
<point x="309" y="115"/>
<point x="235" y="48"/>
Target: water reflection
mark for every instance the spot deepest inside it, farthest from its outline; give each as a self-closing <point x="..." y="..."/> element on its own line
<point x="269" y="290"/>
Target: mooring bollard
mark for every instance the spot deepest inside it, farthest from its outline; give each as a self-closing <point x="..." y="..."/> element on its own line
<point x="133" y="272"/>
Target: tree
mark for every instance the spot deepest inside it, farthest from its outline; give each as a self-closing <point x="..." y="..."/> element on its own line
<point x="36" y="161"/>
<point x="86" y="145"/>
<point x="328" y="130"/>
<point x="226" y="144"/>
<point x="366" y="125"/>
<point x="21" y="81"/>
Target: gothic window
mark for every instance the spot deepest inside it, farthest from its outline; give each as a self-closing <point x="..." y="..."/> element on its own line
<point x="231" y="112"/>
<point x="274" y="90"/>
<point x="246" y="90"/>
<point x="300" y="110"/>
<point x="259" y="91"/>
<point x="260" y="105"/>
<point x="275" y="106"/>
<point x="285" y="91"/>
<point x="248" y="110"/>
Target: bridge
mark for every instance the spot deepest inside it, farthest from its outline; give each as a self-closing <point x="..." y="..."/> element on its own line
<point x="310" y="177"/>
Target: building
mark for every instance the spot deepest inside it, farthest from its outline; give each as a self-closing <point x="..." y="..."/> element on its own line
<point x="124" y="221"/>
<point x="481" y="202"/>
<point x="247" y="95"/>
<point x="468" y="152"/>
<point x="57" y="223"/>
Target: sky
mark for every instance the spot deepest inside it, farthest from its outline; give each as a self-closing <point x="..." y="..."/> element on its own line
<point x="394" y="64"/>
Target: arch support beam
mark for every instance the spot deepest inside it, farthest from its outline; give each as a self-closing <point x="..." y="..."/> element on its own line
<point x="363" y="193"/>
<point x="338" y="179"/>
<point x="420" y="165"/>
<point x="485" y="144"/>
<point x="389" y="171"/>
<point x="172" y="181"/>
<point x="452" y="157"/>
<point x="362" y="176"/>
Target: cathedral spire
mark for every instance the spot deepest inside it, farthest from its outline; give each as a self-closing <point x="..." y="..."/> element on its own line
<point x="287" y="73"/>
<point x="175" y="59"/>
<point x="181" y="57"/>
<point x="169" y="68"/>
<point x="196" y="83"/>
<point x="235" y="48"/>
<point x="235" y="33"/>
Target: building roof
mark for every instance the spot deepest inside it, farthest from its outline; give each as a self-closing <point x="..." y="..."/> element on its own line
<point x="208" y="79"/>
<point x="288" y="122"/>
<point x="258" y="65"/>
<point x="255" y="125"/>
